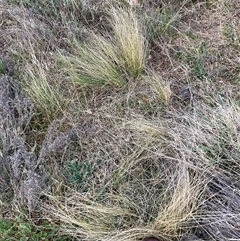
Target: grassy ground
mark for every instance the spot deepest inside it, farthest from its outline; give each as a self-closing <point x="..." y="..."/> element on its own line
<point x="120" y="120"/>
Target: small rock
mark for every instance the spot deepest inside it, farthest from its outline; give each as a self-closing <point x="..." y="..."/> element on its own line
<point x="185" y="94"/>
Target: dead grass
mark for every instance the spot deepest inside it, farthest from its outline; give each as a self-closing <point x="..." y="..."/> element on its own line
<point x="109" y="60"/>
<point x="120" y="217"/>
<point x="160" y="88"/>
<point x="130" y="37"/>
<point x="48" y="98"/>
<point x="94" y="64"/>
<point x="129" y="157"/>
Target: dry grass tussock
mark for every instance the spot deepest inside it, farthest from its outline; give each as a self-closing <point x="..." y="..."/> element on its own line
<point x="121" y="122"/>
<point x="160" y="88"/>
<point x="111" y="60"/>
<point x="35" y="58"/>
<point x="124" y="217"/>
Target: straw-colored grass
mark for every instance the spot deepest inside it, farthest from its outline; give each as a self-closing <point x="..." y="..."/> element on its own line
<point x="95" y="63"/>
<point x="109" y="60"/>
<point x="48" y="98"/>
<point x="120" y="217"/>
<point x="127" y="157"/>
<point x="130" y="38"/>
<point x="160" y="88"/>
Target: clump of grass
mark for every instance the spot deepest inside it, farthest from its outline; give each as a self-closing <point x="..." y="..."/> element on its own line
<point x="109" y="60"/>
<point x="144" y="195"/>
<point x="130" y="37"/>
<point x="201" y="143"/>
<point x="160" y="87"/>
<point x="47" y="97"/>
<point x="121" y="216"/>
<point x="85" y="218"/>
<point x="182" y="203"/>
<point x="34" y="64"/>
<point x="95" y="63"/>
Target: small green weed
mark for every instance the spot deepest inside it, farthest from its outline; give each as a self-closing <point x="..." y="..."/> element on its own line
<point x="195" y="59"/>
<point x="23" y="231"/>
<point x="79" y="173"/>
<point x="1" y="67"/>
